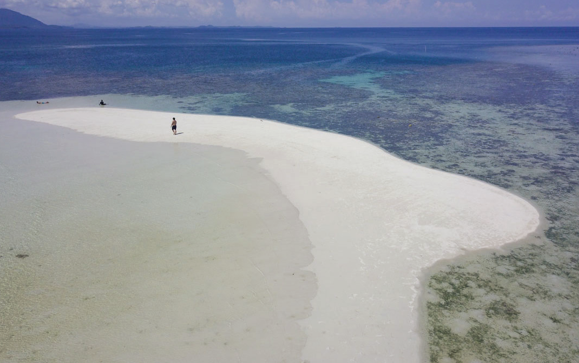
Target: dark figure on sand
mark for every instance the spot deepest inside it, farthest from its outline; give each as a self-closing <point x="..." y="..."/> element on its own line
<point x="41" y="103"/>
<point x="174" y="126"/>
<point x="102" y="103"/>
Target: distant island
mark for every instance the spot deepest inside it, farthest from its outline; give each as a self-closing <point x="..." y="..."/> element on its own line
<point x="10" y="19"/>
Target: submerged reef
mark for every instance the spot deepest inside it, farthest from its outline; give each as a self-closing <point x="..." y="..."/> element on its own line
<point x="518" y="305"/>
<point x="470" y="106"/>
<point x="512" y="125"/>
<point x="521" y="306"/>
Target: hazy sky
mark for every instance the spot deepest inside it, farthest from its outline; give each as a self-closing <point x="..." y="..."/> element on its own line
<point x="322" y="13"/>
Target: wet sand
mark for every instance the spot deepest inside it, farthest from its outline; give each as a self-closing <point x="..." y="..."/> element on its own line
<point x="372" y="223"/>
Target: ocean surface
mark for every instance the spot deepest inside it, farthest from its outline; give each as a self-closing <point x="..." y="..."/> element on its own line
<point x="497" y="104"/>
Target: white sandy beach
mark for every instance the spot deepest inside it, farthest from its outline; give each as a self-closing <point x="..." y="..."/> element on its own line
<point x="373" y="223"/>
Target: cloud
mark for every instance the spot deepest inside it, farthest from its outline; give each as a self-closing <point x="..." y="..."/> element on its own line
<point x="160" y="8"/>
<point x="301" y="12"/>
<point x="125" y="8"/>
<point x="547" y="15"/>
<point x="271" y="10"/>
<point x="449" y="8"/>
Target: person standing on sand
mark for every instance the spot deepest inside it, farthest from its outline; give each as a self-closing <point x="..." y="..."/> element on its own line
<point x="174" y="126"/>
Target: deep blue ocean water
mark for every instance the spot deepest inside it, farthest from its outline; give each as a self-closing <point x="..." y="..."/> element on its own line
<point x="52" y="63"/>
<point x="497" y="104"/>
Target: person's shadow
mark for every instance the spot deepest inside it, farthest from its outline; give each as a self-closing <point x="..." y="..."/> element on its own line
<point x="179" y="133"/>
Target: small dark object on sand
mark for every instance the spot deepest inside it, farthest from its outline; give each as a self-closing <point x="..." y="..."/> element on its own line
<point x="20" y="255"/>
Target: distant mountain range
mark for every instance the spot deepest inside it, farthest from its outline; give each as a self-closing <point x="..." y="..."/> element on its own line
<point x="10" y="19"/>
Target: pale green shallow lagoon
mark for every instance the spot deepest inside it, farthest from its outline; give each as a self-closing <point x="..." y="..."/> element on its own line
<point x="116" y="251"/>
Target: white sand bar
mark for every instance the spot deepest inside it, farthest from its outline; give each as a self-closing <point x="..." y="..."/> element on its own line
<point x="375" y="221"/>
